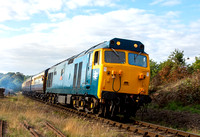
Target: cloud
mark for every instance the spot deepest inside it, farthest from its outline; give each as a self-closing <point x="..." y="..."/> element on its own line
<point x="56" y="16"/>
<point x="166" y="2"/>
<point x="73" y="4"/>
<point x="41" y="27"/>
<point x="171" y="2"/>
<point x="156" y="2"/>
<point x="6" y="28"/>
<point x="13" y="10"/>
<point x="39" y="49"/>
<point x="22" y="10"/>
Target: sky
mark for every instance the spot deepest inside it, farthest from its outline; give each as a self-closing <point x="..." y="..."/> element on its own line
<point x="36" y="34"/>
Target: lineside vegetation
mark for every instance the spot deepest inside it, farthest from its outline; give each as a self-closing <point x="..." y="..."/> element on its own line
<point x="174" y="84"/>
<point x="16" y="109"/>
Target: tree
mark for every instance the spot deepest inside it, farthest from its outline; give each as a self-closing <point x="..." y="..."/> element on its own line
<point x="177" y="57"/>
<point x="12" y="81"/>
<point x="172" y="69"/>
<point x="154" y="68"/>
<point x="196" y="64"/>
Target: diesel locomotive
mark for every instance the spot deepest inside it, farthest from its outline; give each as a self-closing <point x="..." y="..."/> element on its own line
<point x="108" y="79"/>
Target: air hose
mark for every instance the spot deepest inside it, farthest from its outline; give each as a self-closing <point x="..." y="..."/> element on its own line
<point x="113" y="85"/>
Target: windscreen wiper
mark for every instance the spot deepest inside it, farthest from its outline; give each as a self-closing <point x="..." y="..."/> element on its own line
<point x="137" y="55"/>
<point x="117" y="54"/>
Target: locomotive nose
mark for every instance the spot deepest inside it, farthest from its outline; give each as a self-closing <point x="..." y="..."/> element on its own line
<point x="123" y="79"/>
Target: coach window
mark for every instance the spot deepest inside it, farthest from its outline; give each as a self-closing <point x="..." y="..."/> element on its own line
<point x="62" y="72"/>
<point x="97" y="58"/>
<point x="55" y="72"/>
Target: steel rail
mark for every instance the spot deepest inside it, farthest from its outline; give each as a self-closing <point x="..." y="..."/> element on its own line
<point x="166" y="129"/>
<point x="30" y="129"/>
<point x="1" y="128"/>
<point x="143" y="128"/>
<point x="56" y="131"/>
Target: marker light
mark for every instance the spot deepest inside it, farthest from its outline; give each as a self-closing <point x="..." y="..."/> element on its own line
<point x="118" y="43"/>
<point x="142" y="46"/>
<point x="141" y="76"/>
<point x="112" y="42"/>
<point x="142" y="91"/>
<point x="120" y="73"/>
<point x="135" y="45"/>
<point x="114" y="73"/>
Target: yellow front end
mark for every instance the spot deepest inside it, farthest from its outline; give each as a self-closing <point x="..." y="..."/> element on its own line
<point x="124" y="77"/>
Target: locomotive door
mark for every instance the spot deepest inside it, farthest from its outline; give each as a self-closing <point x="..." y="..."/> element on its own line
<point x="89" y="71"/>
<point x="77" y="75"/>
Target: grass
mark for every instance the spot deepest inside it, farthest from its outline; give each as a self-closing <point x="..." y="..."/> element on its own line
<point x="177" y="106"/>
<point x="17" y="109"/>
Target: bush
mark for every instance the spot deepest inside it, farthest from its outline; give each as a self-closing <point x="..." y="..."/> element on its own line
<point x="186" y="92"/>
<point x="189" y="90"/>
<point x="173" y="83"/>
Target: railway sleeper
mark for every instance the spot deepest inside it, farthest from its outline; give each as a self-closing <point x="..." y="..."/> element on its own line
<point x="148" y="129"/>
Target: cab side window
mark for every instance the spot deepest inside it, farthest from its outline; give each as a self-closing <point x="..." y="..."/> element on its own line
<point x="97" y="58"/>
<point x="90" y="61"/>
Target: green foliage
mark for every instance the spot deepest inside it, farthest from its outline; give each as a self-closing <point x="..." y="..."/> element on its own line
<point x="154" y="68"/>
<point x="196" y="65"/>
<point x="174" y="106"/>
<point x="177" y="57"/>
<point x="172" y="69"/>
<point x="175" y="84"/>
<point x="189" y="90"/>
<point x="12" y="81"/>
<point x="177" y="106"/>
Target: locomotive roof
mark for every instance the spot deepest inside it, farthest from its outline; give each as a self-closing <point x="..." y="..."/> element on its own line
<point x="115" y="43"/>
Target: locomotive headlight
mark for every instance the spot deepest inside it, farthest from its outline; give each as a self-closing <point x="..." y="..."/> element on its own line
<point x="135" y="45"/>
<point x="118" y="43"/>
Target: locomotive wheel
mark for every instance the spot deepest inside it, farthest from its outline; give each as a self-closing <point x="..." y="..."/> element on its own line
<point x="101" y="111"/>
<point x="113" y="110"/>
<point x="106" y="111"/>
<point x="126" y="117"/>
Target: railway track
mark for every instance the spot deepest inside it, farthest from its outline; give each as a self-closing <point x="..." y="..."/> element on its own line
<point x="137" y="127"/>
<point x="34" y="133"/>
<point x="2" y="128"/>
<point x="55" y="130"/>
<point x="30" y="129"/>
